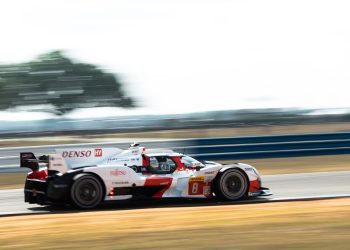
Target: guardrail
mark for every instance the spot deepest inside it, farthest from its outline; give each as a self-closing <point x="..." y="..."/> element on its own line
<point x="229" y="148"/>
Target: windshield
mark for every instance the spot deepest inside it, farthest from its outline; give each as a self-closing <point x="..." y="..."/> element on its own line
<point x="190" y="162"/>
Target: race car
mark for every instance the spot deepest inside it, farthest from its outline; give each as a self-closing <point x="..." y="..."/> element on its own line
<point x="85" y="177"/>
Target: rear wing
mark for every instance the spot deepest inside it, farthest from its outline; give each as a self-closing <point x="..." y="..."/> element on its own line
<point x="28" y="160"/>
<point x="53" y="161"/>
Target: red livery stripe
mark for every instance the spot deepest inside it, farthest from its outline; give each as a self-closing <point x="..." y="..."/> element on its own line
<point x="159" y="181"/>
<point x="254" y="186"/>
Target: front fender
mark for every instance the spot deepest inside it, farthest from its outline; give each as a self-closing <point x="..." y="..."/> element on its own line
<point x="251" y="172"/>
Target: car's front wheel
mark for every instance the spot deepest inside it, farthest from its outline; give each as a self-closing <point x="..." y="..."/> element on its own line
<point x="86" y="192"/>
<point x="231" y="185"/>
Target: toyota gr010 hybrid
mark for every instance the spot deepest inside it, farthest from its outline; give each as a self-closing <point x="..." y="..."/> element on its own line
<point x="85" y="177"/>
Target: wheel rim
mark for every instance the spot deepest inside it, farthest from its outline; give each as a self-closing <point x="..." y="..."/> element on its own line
<point x="87" y="193"/>
<point x="233" y="185"/>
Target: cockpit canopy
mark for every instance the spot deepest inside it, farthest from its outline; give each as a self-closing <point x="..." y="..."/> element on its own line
<point x="190" y="162"/>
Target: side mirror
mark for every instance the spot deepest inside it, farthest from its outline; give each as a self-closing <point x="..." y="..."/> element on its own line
<point x="198" y="168"/>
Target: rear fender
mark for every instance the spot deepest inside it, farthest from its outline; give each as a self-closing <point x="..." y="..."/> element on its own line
<point x="59" y="186"/>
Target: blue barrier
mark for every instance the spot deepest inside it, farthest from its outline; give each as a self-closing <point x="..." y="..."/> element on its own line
<point x="272" y="138"/>
<point x="294" y="145"/>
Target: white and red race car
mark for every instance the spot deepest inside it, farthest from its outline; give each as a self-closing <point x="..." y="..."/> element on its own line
<point x="85" y="177"/>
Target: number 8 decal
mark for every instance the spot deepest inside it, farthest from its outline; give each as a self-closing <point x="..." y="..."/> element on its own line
<point x="195" y="188"/>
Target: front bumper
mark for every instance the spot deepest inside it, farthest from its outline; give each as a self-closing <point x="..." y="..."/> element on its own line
<point x="261" y="192"/>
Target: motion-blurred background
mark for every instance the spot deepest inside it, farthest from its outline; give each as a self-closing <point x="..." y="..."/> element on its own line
<point x="271" y="77"/>
<point x="88" y="67"/>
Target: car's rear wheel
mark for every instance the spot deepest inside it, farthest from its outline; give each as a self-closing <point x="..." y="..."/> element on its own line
<point x="86" y="192"/>
<point x="231" y="185"/>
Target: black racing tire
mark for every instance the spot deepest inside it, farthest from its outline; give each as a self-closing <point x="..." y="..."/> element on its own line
<point x="231" y="184"/>
<point x="86" y="192"/>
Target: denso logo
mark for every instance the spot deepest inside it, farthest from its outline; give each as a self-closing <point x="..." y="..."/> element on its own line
<point x="72" y="154"/>
<point x="98" y="152"/>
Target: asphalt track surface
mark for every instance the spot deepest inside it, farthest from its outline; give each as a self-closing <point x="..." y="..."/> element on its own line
<point x="286" y="187"/>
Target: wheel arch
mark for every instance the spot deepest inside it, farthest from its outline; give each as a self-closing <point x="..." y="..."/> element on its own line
<point x="104" y="189"/>
<point x="221" y="171"/>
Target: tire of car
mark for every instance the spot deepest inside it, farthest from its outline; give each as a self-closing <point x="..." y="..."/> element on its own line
<point x="86" y="192"/>
<point x="231" y="185"/>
